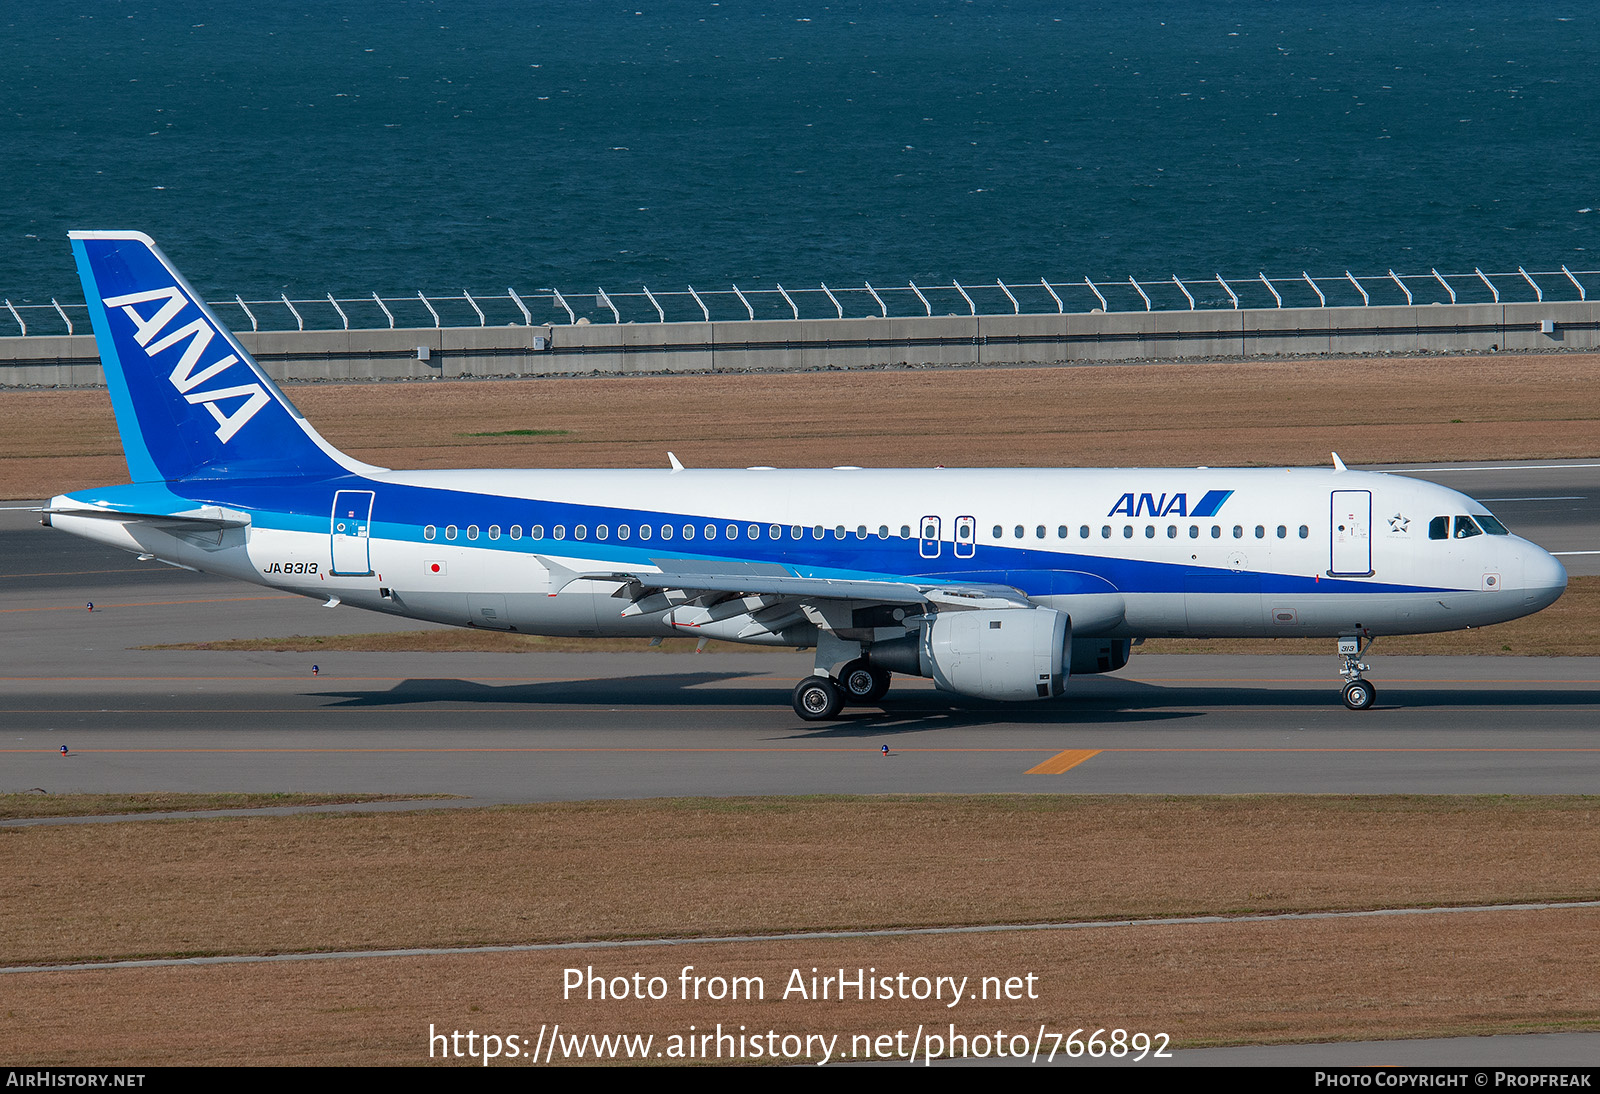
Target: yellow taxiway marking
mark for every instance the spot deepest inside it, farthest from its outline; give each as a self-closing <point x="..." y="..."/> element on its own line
<point x="1063" y="762"/>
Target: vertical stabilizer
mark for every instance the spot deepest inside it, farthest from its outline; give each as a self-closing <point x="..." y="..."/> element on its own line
<point x="190" y="401"/>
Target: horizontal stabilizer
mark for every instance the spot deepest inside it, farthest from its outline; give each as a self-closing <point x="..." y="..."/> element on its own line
<point x="211" y="518"/>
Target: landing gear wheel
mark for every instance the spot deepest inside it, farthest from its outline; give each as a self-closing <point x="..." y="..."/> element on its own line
<point x="817" y="698"/>
<point x="1359" y="694"/>
<point x="863" y="683"/>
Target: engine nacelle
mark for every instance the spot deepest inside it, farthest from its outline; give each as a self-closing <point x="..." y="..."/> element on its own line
<point x="1019" y="653"/>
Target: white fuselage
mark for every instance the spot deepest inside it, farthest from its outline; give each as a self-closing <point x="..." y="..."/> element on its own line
<point x="1127" y="553"/>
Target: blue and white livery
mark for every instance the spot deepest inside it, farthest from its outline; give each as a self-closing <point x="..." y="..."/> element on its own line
<point x="998" y="584"/>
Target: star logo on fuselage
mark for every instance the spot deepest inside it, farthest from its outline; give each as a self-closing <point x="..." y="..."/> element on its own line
<point x="1398" y="523"/>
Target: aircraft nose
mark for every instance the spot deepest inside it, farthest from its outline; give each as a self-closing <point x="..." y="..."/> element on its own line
<point x="1544" y="579"/>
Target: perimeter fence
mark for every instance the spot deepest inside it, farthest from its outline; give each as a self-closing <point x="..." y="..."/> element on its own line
<point x="547" y="307"/>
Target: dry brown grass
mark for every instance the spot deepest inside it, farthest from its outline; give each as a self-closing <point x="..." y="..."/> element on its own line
<point x="1256" y="413"/>
<point x="1265" y="983"/>
<point x="572" y="871"/>
<point x="586" y="870"/>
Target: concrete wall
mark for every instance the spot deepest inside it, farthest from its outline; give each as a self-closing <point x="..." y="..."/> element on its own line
<point x="455" y="352"/>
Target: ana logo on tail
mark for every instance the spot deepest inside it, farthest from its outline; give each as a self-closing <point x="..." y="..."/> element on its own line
<point x="183" y="376"/>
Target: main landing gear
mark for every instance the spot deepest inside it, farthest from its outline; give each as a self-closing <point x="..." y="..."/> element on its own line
<point x="819" y="698"/>
<point x="863" y="683"/>
<point x="1358" y="692"/>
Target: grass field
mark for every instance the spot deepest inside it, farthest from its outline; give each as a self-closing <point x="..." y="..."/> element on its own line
<point x="1253" y="413"/>
<point x="698" y="868"/>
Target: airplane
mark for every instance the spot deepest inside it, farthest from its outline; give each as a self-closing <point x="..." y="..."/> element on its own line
<point x="996" y="583"/>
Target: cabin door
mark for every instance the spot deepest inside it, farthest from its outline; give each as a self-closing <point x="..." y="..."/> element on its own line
<point x="1350" y="532"/>
<point x="352" y="518"/>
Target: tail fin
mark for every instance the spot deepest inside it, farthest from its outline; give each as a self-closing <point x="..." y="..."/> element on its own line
<point x="190" y="401"/>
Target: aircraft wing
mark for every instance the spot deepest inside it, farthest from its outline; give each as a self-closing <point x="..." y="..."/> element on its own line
<point x="691" y="578"/>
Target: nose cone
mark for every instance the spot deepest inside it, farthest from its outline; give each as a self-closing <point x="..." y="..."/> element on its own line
<point x="1544" y="579"/>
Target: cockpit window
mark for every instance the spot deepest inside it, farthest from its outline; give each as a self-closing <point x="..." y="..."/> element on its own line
<point x="1466" y="528"/>
<point x="1492" y="526"/>
<point x="1439" y="528"/>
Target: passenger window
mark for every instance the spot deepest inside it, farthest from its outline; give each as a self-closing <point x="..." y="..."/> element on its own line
<point x="1105" y="531"/>
<point x="816" y="531"/>
<point x="774" y="532"/>
<point x="795" y="531"/>
<point x="732" y="531"/>
<point x="1439" y="528"/>
<point x="688" y="531"/>
<point x="1083" y="532"/>
<point x="1127" y="531"/>
<point x="429" y="533"/>
<point x="1194" y="531"/>
<point x="711" y="531"/>
<point x="1283" y="532"/>
<point x="883" y="531"/>
<point x="1238" y="531"/>
<point x="1038" y="533"/>
<point x="494" y="531"/>
<point x="666" y="531"/>
<point x="1304" y="531"/>
<point x="998" y="531"/>
<point x="516" y="531"/>
<point x="1061" y="532"/>
<point x="1466" y="529"/>
<point x="754" y="532"/>
<point x="838" y="531"/>
<point x="1172" y="531"/>
<point x="601" y="532"/>
<point x="537" y="531"/>
<point x="449" y="531"/>
<point x="1017" y="533"/>
<point x="861" y="531"/>
<point x="622" y="531"/>
<point x="905" y="531"/>
<point x="1216" y="531"/>
<point x="472" y="531"/>
<point x="644" y="531"/>
<point x="561" y="531"/>
<point x="1261" y="533"/>
<point x="1149" y="531"/>
<point x="580" y="532"/>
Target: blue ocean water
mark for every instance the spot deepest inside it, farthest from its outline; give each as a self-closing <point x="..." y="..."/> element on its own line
<point x="412" y="144"/>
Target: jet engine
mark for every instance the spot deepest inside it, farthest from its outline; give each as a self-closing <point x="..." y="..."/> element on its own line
<point x="1006" y="654"/>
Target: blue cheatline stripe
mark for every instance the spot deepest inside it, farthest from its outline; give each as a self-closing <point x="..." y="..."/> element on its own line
<point x="1208" y="505"/>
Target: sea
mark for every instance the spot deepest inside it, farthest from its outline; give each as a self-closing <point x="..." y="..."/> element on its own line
<point x="351" y="147"/>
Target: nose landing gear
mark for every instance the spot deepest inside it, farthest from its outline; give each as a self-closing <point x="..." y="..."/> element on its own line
<point x="1358" y="692"/>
